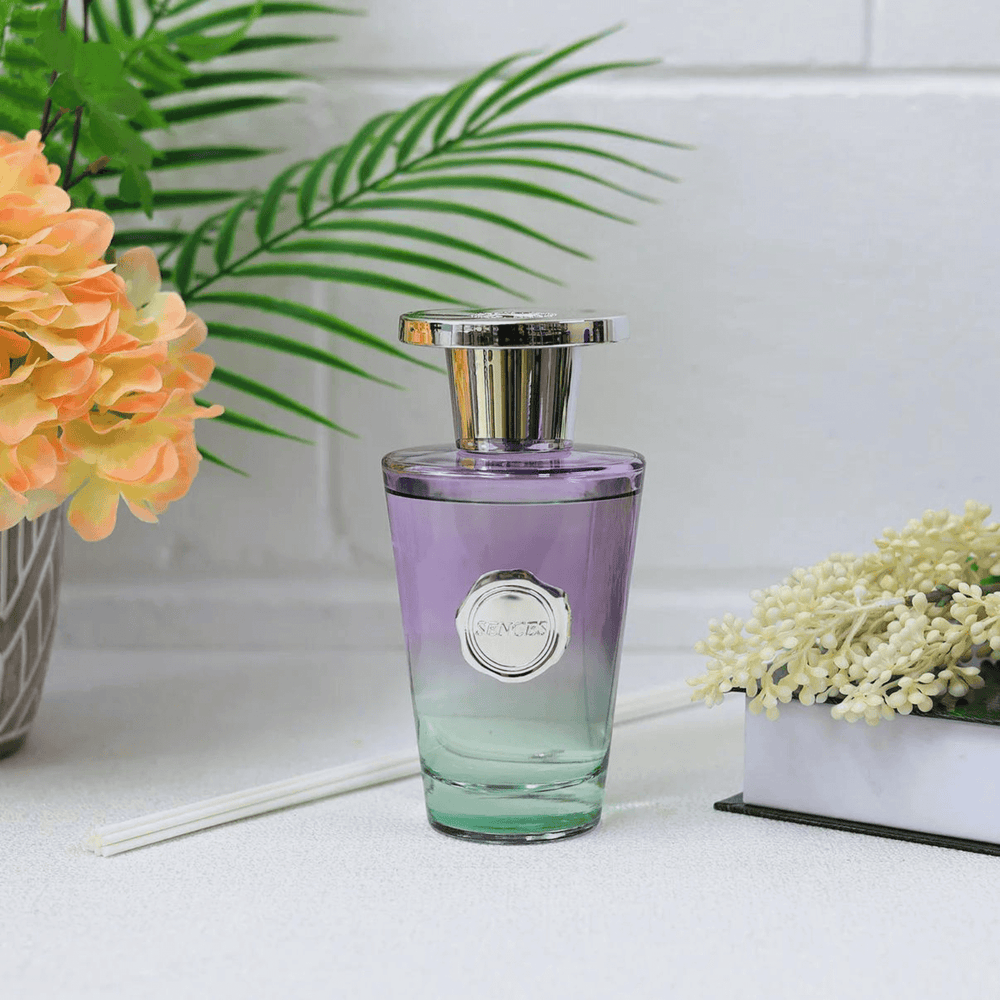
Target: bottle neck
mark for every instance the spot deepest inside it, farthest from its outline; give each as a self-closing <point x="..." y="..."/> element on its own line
<point x="513" y="399"/>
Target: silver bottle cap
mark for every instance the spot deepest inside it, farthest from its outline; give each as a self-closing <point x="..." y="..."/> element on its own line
<point x="513" y="381"/>
<point x="510" y="328"/>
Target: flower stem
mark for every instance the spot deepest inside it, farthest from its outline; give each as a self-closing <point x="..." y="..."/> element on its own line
<point x="78" y="118"/>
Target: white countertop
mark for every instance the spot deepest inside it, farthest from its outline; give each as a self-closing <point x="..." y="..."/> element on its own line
<point x="357" y="897"/>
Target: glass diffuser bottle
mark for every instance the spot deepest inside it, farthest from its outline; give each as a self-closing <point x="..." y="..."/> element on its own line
<point x="513" y="556"/>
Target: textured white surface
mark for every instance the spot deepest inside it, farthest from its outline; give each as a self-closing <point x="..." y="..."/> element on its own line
<point x="358" y="897"/>
<point x="915" y="773"/>
<point x="444" y="34"/>
<point x="936" y="33"/>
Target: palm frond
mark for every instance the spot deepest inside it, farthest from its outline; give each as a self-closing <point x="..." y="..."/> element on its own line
<point x="408" y="231"/>
<point x="529" y="163"/>
<point x="215" y="460"/>
<point x="286" y="345"/>
<point x="236" y="419"/>
<point x="180" y="113"/>
<point x="398" y="255"/>
<point x="346" y="276"/>
<point x="311" y="317"/>
<point x="233" y="380"/>
<point x="226" y="78"/>
<point x="507" y="185"/>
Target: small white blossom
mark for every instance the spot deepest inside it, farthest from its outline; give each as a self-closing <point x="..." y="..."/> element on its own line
<point x="875" y="635"/>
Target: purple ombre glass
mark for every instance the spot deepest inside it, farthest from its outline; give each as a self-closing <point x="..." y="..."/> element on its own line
<point x="513" y="556"/>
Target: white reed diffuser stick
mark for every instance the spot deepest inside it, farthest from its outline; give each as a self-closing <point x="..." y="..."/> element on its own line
<point x="168" y="823"/>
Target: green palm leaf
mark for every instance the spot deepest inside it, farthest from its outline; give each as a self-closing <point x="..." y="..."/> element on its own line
<point x="379" y="251"/>
<point x="288" y="345"/>
<point x="347" y="276"/>
<point x="147" y="237"/>
<point x="509" y="185"/>
<point x="532" y="71"/>
<point x="183" y="269"/>
<point x="560" y="81"/>
<point x="227" y="231"/>
<point x="126" y="18"/>
<point x="272" y="200"/>
<point x="174" y="159"/>
<point x="519" y="128"/>
<point x="258" y="43"/>
<point x="232" y="380"/>
<point x="310" y="316"/>
<point x="175" y="199"/>
<point x="567" y="147"/>
<point x="215" y="460"/>
<point x="470" y="212"/>
<point x="310" y="183"/>
<point x="213" y="109"/>
<point x="225" y="78"/>
<point x="462" y="162"/>
<point x="236" y="419"/>
<point x="408" y="231"/>
<point x="352" y="151"/>
<point x="462" y="94"/>
<point x="397" y="123"/>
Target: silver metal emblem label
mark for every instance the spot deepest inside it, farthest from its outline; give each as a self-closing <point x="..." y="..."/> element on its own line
<point x="512" y="626"/>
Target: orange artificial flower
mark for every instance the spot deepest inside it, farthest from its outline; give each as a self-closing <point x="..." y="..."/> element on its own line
<point x="97" y="365"/>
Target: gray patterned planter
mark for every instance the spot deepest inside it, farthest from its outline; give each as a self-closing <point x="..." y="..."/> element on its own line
<point x="30" y="573"/>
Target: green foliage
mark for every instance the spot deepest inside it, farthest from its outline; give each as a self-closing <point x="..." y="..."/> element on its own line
<point x="321" y="219"/>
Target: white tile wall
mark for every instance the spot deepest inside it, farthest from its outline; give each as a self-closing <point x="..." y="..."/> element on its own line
<point x="447" y="34"/>
<point x="814" y="306"/>
<point x="948" y="34"/>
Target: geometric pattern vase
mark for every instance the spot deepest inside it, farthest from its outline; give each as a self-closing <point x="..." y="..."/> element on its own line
<point x="30" y="573"/>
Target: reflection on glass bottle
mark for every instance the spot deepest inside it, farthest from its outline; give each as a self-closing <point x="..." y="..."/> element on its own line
<point x="513" y="556"/>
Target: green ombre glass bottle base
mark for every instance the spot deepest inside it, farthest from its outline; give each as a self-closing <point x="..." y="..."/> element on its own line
<point x="514" y="815"/>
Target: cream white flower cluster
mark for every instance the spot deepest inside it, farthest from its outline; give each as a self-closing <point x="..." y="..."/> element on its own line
<point x="873" y="635"/>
